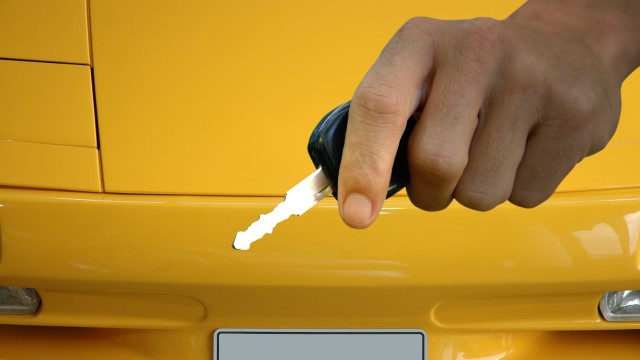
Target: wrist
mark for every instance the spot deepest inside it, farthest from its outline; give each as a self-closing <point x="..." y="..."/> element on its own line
<point x="609" y="29"/>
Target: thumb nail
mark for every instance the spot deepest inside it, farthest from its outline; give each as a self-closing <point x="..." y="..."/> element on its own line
<point x="357" y="210"/>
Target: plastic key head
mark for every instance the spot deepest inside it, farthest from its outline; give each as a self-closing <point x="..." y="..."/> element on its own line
<point x="327" y="141"/>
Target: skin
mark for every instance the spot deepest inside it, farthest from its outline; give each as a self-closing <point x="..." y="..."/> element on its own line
<point x="506" y="108"/>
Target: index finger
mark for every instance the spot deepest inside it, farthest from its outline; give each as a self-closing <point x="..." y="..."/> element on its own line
<point x="390" y="92"/>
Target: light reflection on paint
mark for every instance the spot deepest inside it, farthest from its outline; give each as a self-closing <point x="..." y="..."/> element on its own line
<point x="601" y="241"/>
<point x="481" y="346"/>
<point x="633" y="224"/>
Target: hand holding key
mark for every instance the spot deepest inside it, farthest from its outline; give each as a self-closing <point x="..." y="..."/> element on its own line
<point x="325" y="148"/>
<point x="506" y="108"/>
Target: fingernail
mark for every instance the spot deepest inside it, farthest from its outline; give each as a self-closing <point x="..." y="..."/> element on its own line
<point x="357" y="209"/>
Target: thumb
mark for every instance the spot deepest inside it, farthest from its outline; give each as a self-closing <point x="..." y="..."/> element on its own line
<point x="388" y="95"/>
<point x="373" y="133"/>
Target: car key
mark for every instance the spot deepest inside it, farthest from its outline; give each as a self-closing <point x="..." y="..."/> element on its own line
<point x="325" y="148"/>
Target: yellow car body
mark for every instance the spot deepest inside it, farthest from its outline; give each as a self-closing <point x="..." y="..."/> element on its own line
<point x="137" y="138"/>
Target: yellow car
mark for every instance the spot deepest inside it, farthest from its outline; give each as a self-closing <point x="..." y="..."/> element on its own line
<point x="138" y="137"/>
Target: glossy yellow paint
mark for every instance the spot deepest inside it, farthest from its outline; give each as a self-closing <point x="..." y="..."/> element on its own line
<point x="483" y="284"/>
<point x="47" y="103"/>
<point x="221" y="97"/>
<point x="44" y="30"/>
<point x="19" y="342"/>
<point x="209" y="97"/>
<point x="25" y="164"/>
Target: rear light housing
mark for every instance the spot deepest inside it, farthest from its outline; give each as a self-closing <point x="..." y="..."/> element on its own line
<point x="18" y="301"/>
<point x="621" y="305"/>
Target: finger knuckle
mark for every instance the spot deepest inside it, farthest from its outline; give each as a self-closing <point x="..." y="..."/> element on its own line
<point x="423" y="201"/>
<point x="416" y="26"/>
<point x="597" y="144"/>
<point x="601" y="135"/>
<point x="584" y="102"/>
<point x="605" y="125"/>
<point x="577" y="103"/>
<point x="603" y="131"/>
<point x="438" y="165"/>
<point x="590" y="115"/>
<point x="524" y="75"/>
<point x="472" y="49"/>
<point x="480" y="37"/>
<point x="479" y="198"/>
<point x="378" y="101"/>
<point x="527" y="199"/>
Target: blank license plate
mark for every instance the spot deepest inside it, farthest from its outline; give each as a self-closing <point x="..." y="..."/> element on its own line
<point x="277" y="344"/>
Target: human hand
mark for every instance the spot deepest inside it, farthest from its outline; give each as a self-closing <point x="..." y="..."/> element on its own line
<point x="506" y="108"/>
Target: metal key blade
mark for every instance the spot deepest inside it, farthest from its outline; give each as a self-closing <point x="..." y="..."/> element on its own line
<point x="297" y="201"/>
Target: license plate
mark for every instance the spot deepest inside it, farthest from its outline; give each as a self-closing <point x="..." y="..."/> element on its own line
<point x="279" y="344"/>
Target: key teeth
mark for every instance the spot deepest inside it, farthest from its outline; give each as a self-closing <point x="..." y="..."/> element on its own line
<point x="240" y="243"/>
<point x="244" y="240"/>
<point x="261" y="227"/>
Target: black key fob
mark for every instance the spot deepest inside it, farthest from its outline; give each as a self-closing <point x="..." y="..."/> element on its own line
<point x="327" y="140"/>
